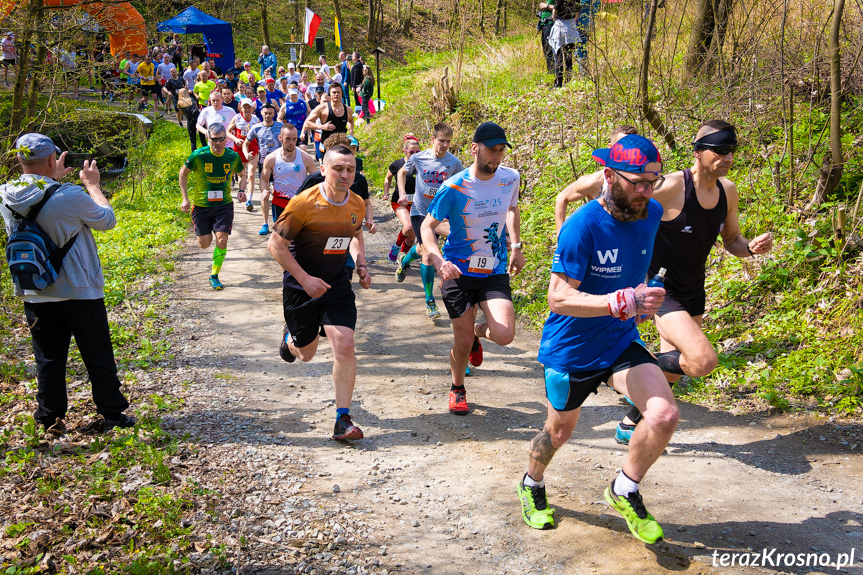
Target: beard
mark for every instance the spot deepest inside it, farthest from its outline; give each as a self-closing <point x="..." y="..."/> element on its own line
<point x="623" y="209"/>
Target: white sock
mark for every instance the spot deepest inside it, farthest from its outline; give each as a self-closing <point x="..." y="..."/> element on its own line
<point x="531" y="482"/>
<point x="623" y="485"/>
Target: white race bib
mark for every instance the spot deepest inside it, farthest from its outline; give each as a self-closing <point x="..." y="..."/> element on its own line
<point x="215" y="195"/>
<point x="410" y="198"/>
<point x="481" y="264"/>
<point x="337" y="245"/>
<point x="430" y="193"/>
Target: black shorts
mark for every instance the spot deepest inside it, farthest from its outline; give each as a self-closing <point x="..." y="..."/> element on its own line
<point x="692" y="303"/>
<point x="8" y="63"/>
<point x="466" y="291"/>
<point x="567" y="391"/>
<point x="305" y="315"/>
<point x="416" y="223"/>
<point x="151" y="89"/>
<point x="213" y="219"/>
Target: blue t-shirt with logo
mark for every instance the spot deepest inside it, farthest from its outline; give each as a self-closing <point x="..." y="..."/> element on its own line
<point x="476" y="210"/>
<point x="295" y="113"/>
<point x="605" y="255"/>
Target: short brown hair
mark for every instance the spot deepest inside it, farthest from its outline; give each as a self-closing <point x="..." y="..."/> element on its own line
<point x="624" y="130"/>
<point x="442" y="129"/>
<point x="338" y="139"/>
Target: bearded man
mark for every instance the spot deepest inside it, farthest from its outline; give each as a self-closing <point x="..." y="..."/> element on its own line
<point x="597" y="295"/>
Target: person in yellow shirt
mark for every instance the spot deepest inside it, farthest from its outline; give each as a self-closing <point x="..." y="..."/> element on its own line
<point x="146" y="72"/>
<point x="202" y="88"/>
<point x="249" y="76"/>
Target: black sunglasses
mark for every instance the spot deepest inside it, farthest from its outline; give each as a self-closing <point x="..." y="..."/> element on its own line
<point x="643" y="185"/>
<point x="722" y="150"/>
<point x="222" y="139"/>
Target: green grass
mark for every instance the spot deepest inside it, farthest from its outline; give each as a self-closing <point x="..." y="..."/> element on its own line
<point x="778" y="322"/>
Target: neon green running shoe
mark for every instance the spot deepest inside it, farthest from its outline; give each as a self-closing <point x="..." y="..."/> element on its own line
<point x="640" y="522"/>
<point x="534" y="506"/>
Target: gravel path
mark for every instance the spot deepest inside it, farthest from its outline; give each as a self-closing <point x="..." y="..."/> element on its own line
<point x="428" y="492"/>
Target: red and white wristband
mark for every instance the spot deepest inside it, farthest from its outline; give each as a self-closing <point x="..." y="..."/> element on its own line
<point x="621" y="304"/>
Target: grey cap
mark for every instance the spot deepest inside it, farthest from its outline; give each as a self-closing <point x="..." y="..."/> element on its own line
<point x="40" y="146"/>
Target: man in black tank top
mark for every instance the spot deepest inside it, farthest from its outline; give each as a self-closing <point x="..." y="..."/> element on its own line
<point x="700" y="204"/>
<point x="334" y="118"/>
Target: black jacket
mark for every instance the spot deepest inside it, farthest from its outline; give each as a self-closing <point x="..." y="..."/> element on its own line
<point x="357" y="74"/>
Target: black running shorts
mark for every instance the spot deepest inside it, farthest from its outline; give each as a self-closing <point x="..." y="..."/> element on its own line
<point x="692" y="303"/>
<point x="567" y="391"/>
<point x="466" y="291"/>
<point x="305" y="315"/>
<point x="416" y="223"/>
<point x="213" y="219"/>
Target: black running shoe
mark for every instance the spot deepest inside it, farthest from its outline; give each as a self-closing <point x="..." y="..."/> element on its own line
<point x="345" y="429"/>
<point x="124" y="421"/>
<point x="284" y="350"/>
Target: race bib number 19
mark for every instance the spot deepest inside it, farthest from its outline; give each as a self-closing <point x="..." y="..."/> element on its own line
<point x="336" y="245"/>
<point x="481" y="264"/>
<point x="215" y="195"/>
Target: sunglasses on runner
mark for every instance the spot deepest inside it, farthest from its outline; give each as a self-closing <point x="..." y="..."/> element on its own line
<point x="642" y="185"/>
<point x="222" y="139"/>
<point x="722" y="150"/>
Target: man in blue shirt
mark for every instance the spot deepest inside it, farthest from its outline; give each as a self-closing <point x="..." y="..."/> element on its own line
<point x="481" y="204"/>
<point x="268" y="61"/>
<point x="596" y="295"/>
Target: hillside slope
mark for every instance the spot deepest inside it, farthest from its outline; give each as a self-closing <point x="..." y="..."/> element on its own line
<point x="787" y="325"/>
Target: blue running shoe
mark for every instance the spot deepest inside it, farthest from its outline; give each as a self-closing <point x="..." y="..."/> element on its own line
<point x="623" y="433"/>
<point x="265" y="229"/>
<point x="394" y="252"/>
<point x="215" y="283"/>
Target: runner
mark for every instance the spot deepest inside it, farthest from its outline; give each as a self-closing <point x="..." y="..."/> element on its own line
<point x="170" y="89"/>
<point x="10" y="55"/>
<point x="288" y="166"/>
<point x="481" y="204"/>
<point x="589" y="186"/>
<point x="238" y="131"/>
<point x="203" y="88"/>
<point x="312" y="245"/>
<point x="212" y="207"/>
<point x="596" y="295"/>
<point x="360" y="186"/>
<point x="134" y="81"/>
<point x="332" y="118"/>
<point x="163" y="72"/>
<point x="216" y="113"/>
<point x="266" y="134"/>
<point x="294" y="111"/>
<point x="433" y="166"/>
<point x="406" y="237"/>
<point x="700" y="203"/>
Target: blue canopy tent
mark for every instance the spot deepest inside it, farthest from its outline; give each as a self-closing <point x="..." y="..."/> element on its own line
<point x="217" y="33"/>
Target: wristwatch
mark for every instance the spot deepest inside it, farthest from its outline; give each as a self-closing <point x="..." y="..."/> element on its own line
<point x="516" y="246"/>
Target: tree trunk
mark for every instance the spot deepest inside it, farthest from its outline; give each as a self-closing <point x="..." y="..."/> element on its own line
<point x="409" y="9"/>
<point x="265" y="27"/>
<point x="504" y="17"/>
<point x="722" y="9"/>
<point x="481" y="15"/>
<point x="832" y="173"/>
<point x="497" y="18"/>
<point x="23" y="66"/>
<point x="37" y="70"/>
<point x="646" y="109"/>
<point x="370" y="26"/>
<point x="700" y="38"/>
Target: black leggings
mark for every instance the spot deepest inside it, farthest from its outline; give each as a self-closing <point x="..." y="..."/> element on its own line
<point x="191" y="115"/>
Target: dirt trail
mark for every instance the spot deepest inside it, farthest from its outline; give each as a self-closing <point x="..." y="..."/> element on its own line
<point x="438" y="491"/>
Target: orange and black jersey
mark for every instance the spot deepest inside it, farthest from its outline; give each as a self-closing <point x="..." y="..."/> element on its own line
<point x="320" y="232"/>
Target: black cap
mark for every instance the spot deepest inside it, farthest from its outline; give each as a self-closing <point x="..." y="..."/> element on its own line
<point x="320" y="90"/>
<point x="490" y="134"/>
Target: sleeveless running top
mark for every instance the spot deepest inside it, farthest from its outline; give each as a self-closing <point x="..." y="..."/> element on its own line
<point x="683" y="244"/>
<point x="340" y="122"/>
<point x="241" y="125"/>
<point x="295" y="114"/>
<point x="287" y="178"/>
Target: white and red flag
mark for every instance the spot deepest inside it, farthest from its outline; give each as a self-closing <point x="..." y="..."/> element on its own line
<point x="313" y="21"/>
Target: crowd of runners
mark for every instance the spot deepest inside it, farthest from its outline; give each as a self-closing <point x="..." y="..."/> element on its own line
<point x="643" y="224"/>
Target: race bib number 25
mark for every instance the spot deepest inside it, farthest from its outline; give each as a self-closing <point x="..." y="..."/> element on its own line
<point x="336" y="245"/>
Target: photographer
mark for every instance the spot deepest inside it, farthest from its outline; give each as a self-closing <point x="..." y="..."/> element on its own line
<point x="73" y="304"/>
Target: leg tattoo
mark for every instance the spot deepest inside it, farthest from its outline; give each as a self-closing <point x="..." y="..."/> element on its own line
<point x="541" y="449"/>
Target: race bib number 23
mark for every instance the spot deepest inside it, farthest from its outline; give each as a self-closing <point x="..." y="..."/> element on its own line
<point x="336" y="245"/>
